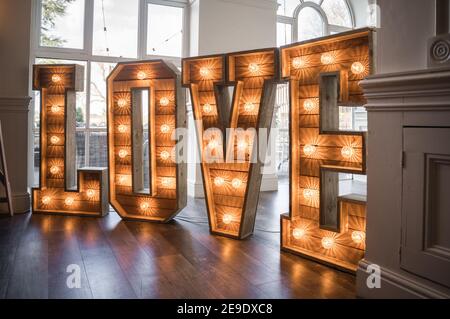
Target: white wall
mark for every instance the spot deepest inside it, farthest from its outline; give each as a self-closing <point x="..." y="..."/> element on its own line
<point x="15" y="17"/>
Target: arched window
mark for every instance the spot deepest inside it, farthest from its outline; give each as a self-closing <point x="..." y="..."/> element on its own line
<point x="300" y="20"/>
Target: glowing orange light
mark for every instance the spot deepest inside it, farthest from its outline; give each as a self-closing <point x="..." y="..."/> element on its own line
<point x="69" y="201"/>
<point x="54" y="139"/>
<point x="56" y="78"/>
<point x="141" y="75"/>
<point x="242" y="145"/>
<point x="207" y="108"/>
<point x="123" y="153"/>
<point x="122" y="103"/>
<point x="298" y="63"/>
<point x="55" y="108"/>
<point x="347" y="152"/>
<point x="249" y="107"/>
<point x="309" y="149"/>
<point x="309" y="193"/>
<point x="227" y="218"/>
<point x="90" y="193"/>
<point x="219" y="181"/>
<point x="165" y="128"/>
<point x="205" y="72"/>
<point x="309" y="105"/>
<point x="122" y="128"/>
<point x="253" y="68"/>
<point x="358" y="68"/>
<point x="166" y="181"/>
<point x="213" y="144"/>
<point x="164" y="101"/>
<point x="327" y="58"/>
<point x="236" y="183"/>
<point x="46" y="200"/>
<point x="165" y="155"/>
<point x="54" y="170"/>
<point x="327" y="242"/>
<point x="122" y="180"/>
<point x="144" y="206"/>
<point x="358" y="236"/>
<point x="298" y="233"/>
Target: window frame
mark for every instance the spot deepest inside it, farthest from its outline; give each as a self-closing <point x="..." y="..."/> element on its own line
<point x="86" y="55"/>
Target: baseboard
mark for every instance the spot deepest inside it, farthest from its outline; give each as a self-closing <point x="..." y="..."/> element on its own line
<point x="394" y="286"/>
<point x="195" y="189"/>
<point x="21" y="204"/>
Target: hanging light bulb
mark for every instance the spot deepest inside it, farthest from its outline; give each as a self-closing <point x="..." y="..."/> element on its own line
<point x="236" y="183"/>
<point x="205" y="72"/>
<point x="219" y="181"/>
<point x="54" y="170"/>
<point x="123" y="153"/>
<point x="309" y="105"/>
<point x="358" y="236"/>
<point x="90" y="193"/>
<point x="69" y="201"/>
<point x="164" y="155"/>
<point x="207" y="108"/>
<point x="249" y="107"/>
<point x="46" y="200"/>
<point x="298" y="233"/>
<point x="357" y="68"/>
<point x="54" y="108"/>
<point x="122" y="102"/>
<point x="327" y="58"/>
<point x="327" y="242"/>
<point x="309" y="149"/>
<point x="164" y="101"/>
<point x="54" y="139"/>
<point x="141" y="75"/>
<point x="347" y="152"/>
<point x="165" y="128"/>
<point x="227" y="218"/>
<point x="254" y="68"/>
<point x="56" y="78"/>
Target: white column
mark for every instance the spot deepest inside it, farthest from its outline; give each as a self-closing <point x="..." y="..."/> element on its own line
<point x="15" y="17"/>
<point x="221" y="26"/>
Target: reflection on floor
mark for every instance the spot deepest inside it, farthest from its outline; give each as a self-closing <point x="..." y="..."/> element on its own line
<point x="120" y="259"/>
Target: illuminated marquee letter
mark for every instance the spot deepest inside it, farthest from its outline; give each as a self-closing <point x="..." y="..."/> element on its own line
<point x="58" y="191"/>
<point x="323" y="75"/>
<point x="146" y="104"/>
<point x="232" y="182"/>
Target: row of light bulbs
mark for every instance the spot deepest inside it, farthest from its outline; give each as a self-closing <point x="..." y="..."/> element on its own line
<point x="68" y="201"/>
<point x="164" y="101"/>
<point x="220" y="181"/>
<point x="253" y="68"/>
<point x="327" y="59"/>
<point x="249" y="107"/>
<point x="346" y="151"/>
<point x="327" y="241"/>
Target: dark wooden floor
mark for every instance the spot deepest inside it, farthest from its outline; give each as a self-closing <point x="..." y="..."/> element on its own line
<point x="142" y="260"/>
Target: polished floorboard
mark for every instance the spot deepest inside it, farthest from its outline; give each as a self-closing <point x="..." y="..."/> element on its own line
<point x="118" y="259"/>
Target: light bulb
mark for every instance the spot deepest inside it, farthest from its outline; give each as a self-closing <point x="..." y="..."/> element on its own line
<point x="122" y="102"/>
<point x="122" y="128"/>
<point x="358" y="68"/>
<point x="347" y="152"/>
<point x="227" y="219"/>
<point x="213" y="144"/>
<point x="164" y="101"/>
<point x="298" y="63"/>
<point x="54" y="139"/>
<point x="249" y="107"/>
<point x="218" y="181"/>
<point x="122" y="180"/>
<point x="327" y="242"/>
<point x="207" y="108"/>
<point x="236" y="183"/>
<point x="166" y="182"/>
<point x="309" y="149"/>
<point x="123" y="153"/>
<point x="54" y="108"/>
<point x="309" y="105"/>
<point x="90" y="193"/>
<point x="145" y="206"/>
<point x="298" y="233"/>
<point x="253" y="68"/>
<point x="205" y="72"/>
<point x="309" y="193"/>
<point x="242" y="145"/>
<point x="358" y="236"/>
<point x="46" y="200"/>
<point x="69" y="201"/>
<point x="54" y="170"/>
<point x="56" y="78"/>
<point x="165" y="128"/>
<point x="141" y="75"/>
<point x="327" y="58"/>
<point x="165" y="155"/>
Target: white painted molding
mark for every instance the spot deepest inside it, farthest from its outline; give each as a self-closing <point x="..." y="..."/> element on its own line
<point x="269" y="183"/>
<point x="263" y="4"/>
<point x="394" y="285"/>
<point x="15" y="104"/>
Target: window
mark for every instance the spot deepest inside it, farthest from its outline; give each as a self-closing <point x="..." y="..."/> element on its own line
<point x="97" y="34"/>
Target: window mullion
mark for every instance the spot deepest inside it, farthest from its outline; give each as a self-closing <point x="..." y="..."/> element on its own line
<point x="88" y="113"/>
<point x="88" y="26"/>
<point x="142" y="29"/>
